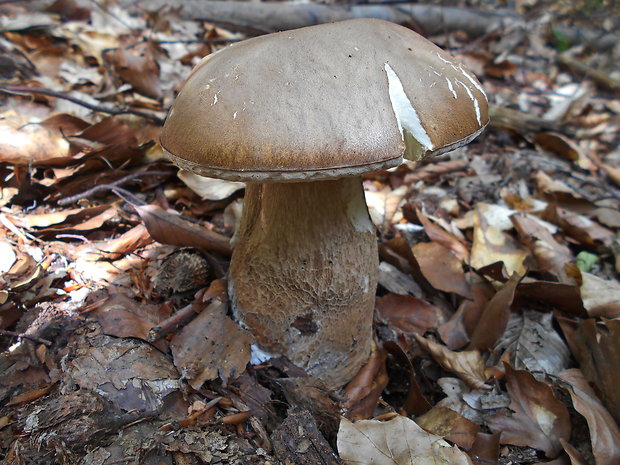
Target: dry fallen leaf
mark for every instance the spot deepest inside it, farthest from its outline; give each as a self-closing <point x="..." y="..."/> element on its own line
<point x="492" y="245"/>
<point x="604" y="432"/>
<point x="530" y="342"/>
<point x="24" y="139"/>
<point x="209" y="188"/>
<point x="407" y="313"/>
<point x="441" y="236"/>
<point x="538" y="420"/>
<point x="579" y="227"/>
<point x="363" y="391"/>
<point x="137" y="66"/>
<point x="494" y="318"/>
<point x="169" y="228"/>
<point x="121" y="316"/>
<point x="210" y="346"/>
<point x="600" y="297"/>
<point x="399" y="441"/>
<point x="441" y="268"/>
<point x="467" y="365"/>
<point x="450" y="425"/>
<point x="560" y="145"/>
<point x="596" y="346"/>
<point x="550" y="255"/>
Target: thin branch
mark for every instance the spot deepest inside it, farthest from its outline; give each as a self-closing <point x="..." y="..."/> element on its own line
<point x="110" y="186"/>
<point x="4" y="332"/>
<point x="25" y="90"/>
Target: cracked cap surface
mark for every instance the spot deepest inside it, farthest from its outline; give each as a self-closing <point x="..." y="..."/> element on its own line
<point x="322" y="102"/>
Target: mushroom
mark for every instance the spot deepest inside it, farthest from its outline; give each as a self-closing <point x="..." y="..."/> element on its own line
<point x="300" y="116"/>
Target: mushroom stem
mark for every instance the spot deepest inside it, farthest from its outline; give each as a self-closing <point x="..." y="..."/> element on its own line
<point x="303" y="274"/>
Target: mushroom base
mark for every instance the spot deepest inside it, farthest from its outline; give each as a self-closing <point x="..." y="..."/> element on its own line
<point x="303" y="274"/>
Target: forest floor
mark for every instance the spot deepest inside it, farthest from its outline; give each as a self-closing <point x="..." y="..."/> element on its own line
<point x="497" y="324"/>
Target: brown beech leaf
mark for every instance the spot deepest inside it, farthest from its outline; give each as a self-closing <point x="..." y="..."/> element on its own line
<point x="407" y="313"/>
<point x="604" y="432"/>
<point x="399" y="441"/>
<point x="121" y="316"/>
<point x="209" y="188"/>
<point x="579" y="227"/>
<point x="137" y="66"/>
<point x="415" y="403"/>
<point x="560" y="145"/>
<point x="550" y="255"/>
<point x="25" y="140"/>
<point x="596" y="346"/>
<point x="531" y="343"/>
<point x="574" y="456"/>
<point x="564" y="297"/>
<point x="467" y="365"/>
<point x="538" y="420"/>
<point x="441" y="268"/>
<point x="364" y="390"/>
<point x="124" y="244"/>
<point x="211" y="346"/>
<point x="70" y="217"/>
<point x="450" y="425"/>
<point x="600" y="297"/>
<point x="485" y="449"/>
<point x="495" y="317"/>
<point x="441" y="236"/>
<point x="492" y="245"/>
<point x="169" y="228"/>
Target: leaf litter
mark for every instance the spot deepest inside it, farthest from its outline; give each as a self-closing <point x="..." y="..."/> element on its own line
<point x="495" y="258"/>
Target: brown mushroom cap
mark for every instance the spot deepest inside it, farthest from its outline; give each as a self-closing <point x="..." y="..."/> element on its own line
<point x="322" y="102"/>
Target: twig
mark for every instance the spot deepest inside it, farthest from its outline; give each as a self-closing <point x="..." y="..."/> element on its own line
<point x="109" y="186"/>
<point x="578" y="67"/>
<point x="21" y="90"/>
<point x="4" y="332"/>
<point x="179" y="319"/>
<point x="128" y="197"/>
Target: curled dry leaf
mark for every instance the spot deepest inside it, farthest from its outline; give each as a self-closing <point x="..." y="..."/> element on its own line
<point x="121" y="316"/>
<point x="124" y="244"/>
<point x="596" y="346"/>
<point x="383" y="206"/>
<point x="492" y="245"/>
<point x="73" y="216"/>
<point x="169" y="228"/>
<point x="550" y="255"/>
<point x="600" y="297"/>
<point x="440" y="236"/>
<point x="564" y="297"/>
<point x="538" y="420"/>
<point x="364" y="390"/>
<point x="495" y="316"/>
<point x="399" y="441"/>
<point x="579" y="227"/>
<point x="209" y="188"/>
<point x="467" y="365"/>
<point x="24" y="140"/>
<point x="407" y="313"/>
<point x="137" y="66"/>
<point x="560" y="145"/>
<point x="530" y="342"/>
<point x="211" y="346"/>
<point x="414" y="401"/>
<point x="485" y="449"/>
<point x="450" y="425"/>
<point x="130" y="373"/>
<point x="604" y="432"/>
<point x="441" y="268"/>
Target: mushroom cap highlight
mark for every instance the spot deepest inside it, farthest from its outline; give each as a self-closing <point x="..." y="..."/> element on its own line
<point x="322" y="102"/>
